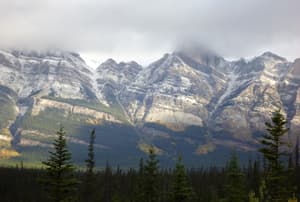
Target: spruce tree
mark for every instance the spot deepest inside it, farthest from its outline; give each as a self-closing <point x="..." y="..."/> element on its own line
<point x="151" y="179"/>
<point x="235" y="190"/>
<point x="90" y="161"/>
<point x="272" y="150"/>
<point x="140" y="189"/>
<point x="181" y="191"/>
<point x="89" y="178"/>
<point x="256" y="176"/>
<point x="59" y="181"/>
<point x="107" y="183"/>
<point x="297" y="153"/>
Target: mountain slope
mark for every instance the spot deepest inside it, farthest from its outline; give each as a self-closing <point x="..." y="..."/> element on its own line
<point x="195" y="103"/>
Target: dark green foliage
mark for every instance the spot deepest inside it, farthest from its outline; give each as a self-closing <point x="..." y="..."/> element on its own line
<point x="89" y="182"/>
<point x="254" y="176"/>
<point x="151" y="178"/>
<point x="272" y="150"/>
<point x="90" y="162"/>
<point x="235" y="190"/>
<point x="20" y="185"/>
<point x="181" y="191"/>
<point x="297" y="153"/>
<point x="108" y="184"/>
<point x="59" y="180"/>
<point x="140" y="195"/>
<point x="252" y="197"/>
<point x="148" y="184"/>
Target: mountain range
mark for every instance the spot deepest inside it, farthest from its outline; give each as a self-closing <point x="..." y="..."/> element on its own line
<point x="194" y="103"/>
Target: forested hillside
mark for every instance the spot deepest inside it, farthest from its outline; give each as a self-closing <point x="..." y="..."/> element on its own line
<point x="274" y="176"/>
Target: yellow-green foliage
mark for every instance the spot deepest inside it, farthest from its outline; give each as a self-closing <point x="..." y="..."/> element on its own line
<point x="294" y="199"/>
<point x="8" y="153"/>
<point x="252" y="197"/>
<point x="205" y="149"/>
<point x="146" y="147"/>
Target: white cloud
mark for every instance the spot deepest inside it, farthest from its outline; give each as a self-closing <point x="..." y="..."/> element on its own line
<point x="142" y="30"/>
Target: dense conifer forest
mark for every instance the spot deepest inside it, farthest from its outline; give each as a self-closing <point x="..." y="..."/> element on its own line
<point x="275" y="177"/>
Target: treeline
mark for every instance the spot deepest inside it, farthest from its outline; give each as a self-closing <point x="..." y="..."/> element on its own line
<point x="275" y="178"/>
<point x="206" y="184"/>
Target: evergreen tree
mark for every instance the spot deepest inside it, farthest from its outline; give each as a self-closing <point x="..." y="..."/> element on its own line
<point x="59" y="180"/>
<point x="291" y="162"/>
<point x="297" y="152"/>
<point x="90" y="162"/>
<point x="262" y="191"/>
<point x="140" y="195"/>
<point x="181" y="190"/>
<point x="235" y="190"/>
<point x="89" y="178"/>
<point x="256" y="176"/>
<point x="117" y="195"/>
<point x="272" y="151"/>
<point x="151" y="178"/>
<point x="107" y="184"/>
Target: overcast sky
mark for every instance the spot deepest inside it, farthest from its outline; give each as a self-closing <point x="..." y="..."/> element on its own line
<point x="143" y="30"/>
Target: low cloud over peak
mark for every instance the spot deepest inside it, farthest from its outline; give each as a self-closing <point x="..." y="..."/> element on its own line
<point x="144" y="29"/>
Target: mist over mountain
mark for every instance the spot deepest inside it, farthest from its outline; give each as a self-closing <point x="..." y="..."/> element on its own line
<point x="191" y="101"/>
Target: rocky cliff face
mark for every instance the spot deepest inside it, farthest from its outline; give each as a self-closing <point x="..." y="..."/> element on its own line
<point x="227" y="97"/>
<point x="228" y="101"/>
<point x="61" y="74"/>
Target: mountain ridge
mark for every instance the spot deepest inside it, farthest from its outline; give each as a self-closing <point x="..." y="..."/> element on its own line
<point x="207" y="98"/>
